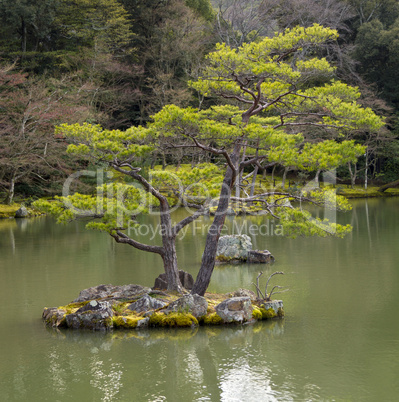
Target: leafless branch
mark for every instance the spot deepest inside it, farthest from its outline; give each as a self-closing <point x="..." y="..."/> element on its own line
<point x="270" y="277"/>
<point x="258" y="291"/>
<point x="272" y="291"/>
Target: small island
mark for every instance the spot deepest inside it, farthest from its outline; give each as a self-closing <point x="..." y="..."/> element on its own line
<point x="107" y="307"/>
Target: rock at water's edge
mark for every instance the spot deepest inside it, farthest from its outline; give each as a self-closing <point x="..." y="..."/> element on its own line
<point x="53" y="316"/>
<point x="260" y="256"/>
<point x="89" y="320"/>
<point x="238" y="248"/>
<point x="276" y="305"/>
<point x="233" y="248"/>
<point x="95" y="315"/>
<point x="236" y="309"/>
<point x="22" y="213"/>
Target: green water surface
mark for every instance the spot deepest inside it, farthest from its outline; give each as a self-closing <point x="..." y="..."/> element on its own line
<point x="339" y="340"/>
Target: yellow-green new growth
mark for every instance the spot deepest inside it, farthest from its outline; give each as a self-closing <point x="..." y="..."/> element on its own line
<point x="95" y="143"/>
<point x="264" y="60"/>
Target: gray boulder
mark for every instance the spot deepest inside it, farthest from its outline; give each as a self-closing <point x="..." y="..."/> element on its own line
<point x="193" y="304"/>
<point x="22" y="213"/>
<point x="233" y="248"/>
<point x="95" y="315"/>
<point x="146" y="303"/>
<point x="260" y="256"/>
<point x="186" y="280"/>
<point x="236" y="309"/>
<point x="238" y="248"/>
<point x="89" y="320"/>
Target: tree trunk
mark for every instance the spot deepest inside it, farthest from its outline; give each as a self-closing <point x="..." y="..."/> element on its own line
<point x="254" y="181"/>
<point x="316" y="178"/>
<point x="353" y="174"/>
<point x="251" y="193"/>
<point x="168" y="251"/>
<point x="169" y="245"/>
<point x="163" y="161"/>
<point x="170" y="265"/>
<point x="240" y="173"/>
<point x="11" y="189"/>
<point x="24" y="35"/>
<point x="284" y="177"/>
<point x="208" y="258"/>
<point x="237" y="185"/>
<point x="389" y="185"/>
<point x="366" y="171"/>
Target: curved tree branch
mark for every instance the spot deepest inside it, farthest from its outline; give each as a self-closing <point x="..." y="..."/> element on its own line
<point x="133" y="172"/>
<point x="122" y="238"/>
<point x="184" y="222"/>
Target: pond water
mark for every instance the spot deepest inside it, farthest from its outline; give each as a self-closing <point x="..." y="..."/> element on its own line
<point x="339" y="340"/>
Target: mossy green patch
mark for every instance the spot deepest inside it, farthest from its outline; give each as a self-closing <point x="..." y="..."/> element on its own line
<point x="8" y="211"/>
<point x="72" y="307"/>
<point x="125" y="322"/>
<point x="176" y="319"/>
<point x="210" y="309"/>
<point x="212" y="319"/>
<point x="267" y="314"/>
<point x="156" y="320"/>
<point x="358" y="192"/>
<point x="257" y="314"/>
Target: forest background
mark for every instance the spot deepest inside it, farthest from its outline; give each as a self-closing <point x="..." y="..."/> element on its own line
<point x="117" y="62"/>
